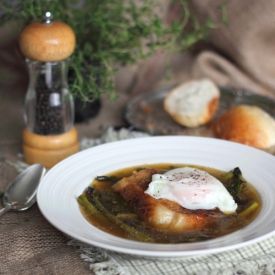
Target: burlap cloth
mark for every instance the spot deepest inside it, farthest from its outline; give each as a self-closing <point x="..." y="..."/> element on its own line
<point x="239" y="55"/>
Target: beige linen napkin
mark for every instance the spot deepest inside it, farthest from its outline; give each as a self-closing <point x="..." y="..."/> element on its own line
<point x="240" y="54"/>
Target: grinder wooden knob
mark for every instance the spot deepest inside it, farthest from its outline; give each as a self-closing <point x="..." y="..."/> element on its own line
<point x="48" y="41"/>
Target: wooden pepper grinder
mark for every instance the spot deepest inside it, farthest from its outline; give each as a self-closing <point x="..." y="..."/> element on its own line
<point x="49" y="135"/>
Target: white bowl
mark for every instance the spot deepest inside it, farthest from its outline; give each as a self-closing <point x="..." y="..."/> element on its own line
<point x="58" y="191"/>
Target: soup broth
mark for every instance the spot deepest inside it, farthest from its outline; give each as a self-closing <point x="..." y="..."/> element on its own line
<point x="110" y="213"/>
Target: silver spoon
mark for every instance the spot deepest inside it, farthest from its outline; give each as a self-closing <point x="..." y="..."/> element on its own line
<point x="21" y="193"/>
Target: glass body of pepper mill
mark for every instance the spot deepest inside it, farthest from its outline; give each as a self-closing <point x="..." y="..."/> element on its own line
<point x="49" y="135"/>
<point x="49" y="107"/>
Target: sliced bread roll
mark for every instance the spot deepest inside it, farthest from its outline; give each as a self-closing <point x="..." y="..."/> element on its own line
<point x="193" y="103"/>
<point x="246" y="124"/>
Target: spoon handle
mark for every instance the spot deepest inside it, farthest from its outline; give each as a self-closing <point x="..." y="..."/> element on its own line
<point x="5" y="209"/>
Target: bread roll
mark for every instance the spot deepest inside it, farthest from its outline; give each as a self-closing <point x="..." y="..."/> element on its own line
<point x="246" y="124"/>
<point x="193" y="103"/>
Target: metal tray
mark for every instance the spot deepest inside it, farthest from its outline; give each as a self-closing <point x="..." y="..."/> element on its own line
<point x="146" y="113"/>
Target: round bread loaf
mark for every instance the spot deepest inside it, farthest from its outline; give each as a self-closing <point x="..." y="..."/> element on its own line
<point x="246" y="124"/>
<point x="193" y="103"/>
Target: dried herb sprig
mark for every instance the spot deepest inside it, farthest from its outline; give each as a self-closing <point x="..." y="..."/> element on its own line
<point x="108" y="33"/>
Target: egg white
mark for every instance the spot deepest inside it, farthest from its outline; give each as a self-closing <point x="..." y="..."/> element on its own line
<point x="193" y="189"/>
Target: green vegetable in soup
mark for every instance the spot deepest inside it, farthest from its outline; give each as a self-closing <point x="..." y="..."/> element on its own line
<point x="107" y="178"/>
<point x="249" y="210"/>
<point x="233" y="181"/>
<point x="113" y="218"/>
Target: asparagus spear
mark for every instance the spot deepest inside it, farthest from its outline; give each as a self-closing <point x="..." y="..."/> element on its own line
<point x="249" y="209"/>
<point x="103" y="211"/>
<point x="83" y="201"/>
<point x="89" y="208"/>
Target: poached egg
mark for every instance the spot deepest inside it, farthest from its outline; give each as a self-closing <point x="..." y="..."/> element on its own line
<point x="193" y="189"/>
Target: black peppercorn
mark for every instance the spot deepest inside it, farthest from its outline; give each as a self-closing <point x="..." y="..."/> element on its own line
<point x="49" y="112"/>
